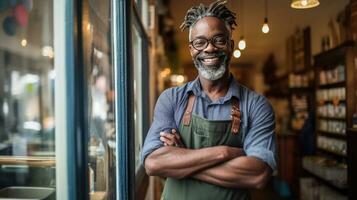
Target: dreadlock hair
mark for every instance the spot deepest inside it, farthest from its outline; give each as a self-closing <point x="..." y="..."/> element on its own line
<point x="215" y="9"/>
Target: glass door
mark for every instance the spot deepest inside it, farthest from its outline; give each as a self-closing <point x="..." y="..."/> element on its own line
<point x="141" y="90"/>
<point x="100" y="98"/>
<point x="93" y="120"/>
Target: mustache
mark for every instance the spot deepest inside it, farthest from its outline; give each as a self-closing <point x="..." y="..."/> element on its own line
<point x="204" y="55"/>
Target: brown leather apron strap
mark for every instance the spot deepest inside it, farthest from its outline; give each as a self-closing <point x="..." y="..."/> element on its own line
<point x="188" y="111"/>
<point x="235" y="116"/>
<point x="235" y="113"/>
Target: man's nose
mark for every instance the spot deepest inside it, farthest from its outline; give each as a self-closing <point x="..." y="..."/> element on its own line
<point x="210" y="47"/>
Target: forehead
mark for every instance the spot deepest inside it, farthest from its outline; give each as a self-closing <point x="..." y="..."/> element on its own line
<point x="208" y="27"/>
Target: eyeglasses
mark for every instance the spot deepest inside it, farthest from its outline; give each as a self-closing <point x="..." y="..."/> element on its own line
<point x="218" y="41"/>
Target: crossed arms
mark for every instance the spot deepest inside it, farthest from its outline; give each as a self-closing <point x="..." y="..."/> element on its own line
<point x="220" y="165"/>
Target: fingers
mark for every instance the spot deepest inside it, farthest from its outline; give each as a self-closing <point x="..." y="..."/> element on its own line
<point x="168" y="139"/>
<point x="178" y="138"/>
<point x="167" y="142"/>
<point x="176" y="134"/>
<point x="168" y="136"/>
<point x="171" y="139"/>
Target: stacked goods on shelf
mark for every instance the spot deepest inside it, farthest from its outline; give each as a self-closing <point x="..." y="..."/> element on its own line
<point x="332" y="126"/>
<point x="331" y="109"/>
<point x="299" y="110"/>
<point x="331" y="102"/>
<point x="335" y="75"/>
<point x="311" y="189"/>
<point x="336" y="146"/>
<point x="334" y="94"/>
<point x="328" y="169"/>
<point x="299" y="81"/>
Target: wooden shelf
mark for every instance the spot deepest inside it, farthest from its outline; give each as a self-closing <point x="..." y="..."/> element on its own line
<point x="331" y="134"/>
<point x="330" y="101"/>
<point x="338" y="188"/>
<point x="343" y="54"/>
<point x="353" y="130"/>
<point x="303" y="71"/>
<point x="333" y="85"/>
<point x="331" y="153"/>
<point x="301" y="89"/>
<point x="332" y="118"/>
<point x="329" y="59"/>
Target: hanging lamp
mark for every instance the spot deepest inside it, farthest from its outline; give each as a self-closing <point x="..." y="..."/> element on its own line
<point x="304" y="4"/>
<point x="237" y="53"/>
<point x="265" y="27"/>
<point x="242" y="43"/>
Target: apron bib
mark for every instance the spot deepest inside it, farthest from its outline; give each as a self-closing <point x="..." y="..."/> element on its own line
<point x="197" y="132"/>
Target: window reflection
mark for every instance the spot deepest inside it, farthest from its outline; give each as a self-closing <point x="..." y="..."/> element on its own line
<point x="100" y="92"/>
<point x="26" y="96"/>
<point x="138" y="110"/>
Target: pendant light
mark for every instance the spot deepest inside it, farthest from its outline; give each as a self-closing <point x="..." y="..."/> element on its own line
<point x="242" y="44"/>
<point x="265" y="27"/>
<point x="237" y="53"/>
<point x="304" y="4"/>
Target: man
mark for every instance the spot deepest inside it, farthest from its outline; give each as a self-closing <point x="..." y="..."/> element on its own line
<point x="212" y="138"/>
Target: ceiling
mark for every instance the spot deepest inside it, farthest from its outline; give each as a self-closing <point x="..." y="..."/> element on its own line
<point x="283" y="22"/>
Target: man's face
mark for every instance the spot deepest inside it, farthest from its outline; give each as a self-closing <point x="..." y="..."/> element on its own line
<point x="212" y="61"/>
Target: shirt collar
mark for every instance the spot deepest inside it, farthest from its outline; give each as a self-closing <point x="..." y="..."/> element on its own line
<point x="233" y="90"/>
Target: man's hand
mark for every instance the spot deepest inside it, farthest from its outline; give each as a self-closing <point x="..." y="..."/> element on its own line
<point x="171" y="139"/>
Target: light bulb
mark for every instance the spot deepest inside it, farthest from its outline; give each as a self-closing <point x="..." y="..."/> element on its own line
<point x="242" y="44"/>
<point x="304" y="2"/>
<point x="23" y="42"/>
<point x="265" y="27"/>
<point x="237" y="53"/>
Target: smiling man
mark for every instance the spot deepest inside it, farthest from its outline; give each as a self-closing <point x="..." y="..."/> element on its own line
<point x="212" y="138"/>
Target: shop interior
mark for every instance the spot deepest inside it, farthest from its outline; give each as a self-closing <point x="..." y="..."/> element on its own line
<point x="304" y="61"/>
<point x="300" y="54"/>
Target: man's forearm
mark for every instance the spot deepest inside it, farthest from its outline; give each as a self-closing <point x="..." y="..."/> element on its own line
<point x="240" y="172"/>
<point x="180" y="162"/>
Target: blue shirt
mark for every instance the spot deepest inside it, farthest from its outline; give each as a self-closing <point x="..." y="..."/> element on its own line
<point x="257" y="129"/>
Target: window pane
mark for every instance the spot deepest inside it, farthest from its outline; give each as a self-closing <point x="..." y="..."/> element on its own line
<point x="137" y="63"/>
<point x="27" y="146"/>
<point x="99" y="69"/>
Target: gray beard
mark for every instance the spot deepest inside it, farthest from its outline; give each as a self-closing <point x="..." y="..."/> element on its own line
<point x="211" y="73"/>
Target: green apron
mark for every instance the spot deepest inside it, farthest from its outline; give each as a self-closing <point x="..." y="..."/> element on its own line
<point x="201" y="133"/>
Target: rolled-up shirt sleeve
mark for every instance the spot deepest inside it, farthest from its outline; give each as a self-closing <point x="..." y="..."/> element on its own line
<point x="260" y="139"/>
<point x="163" y="121"/>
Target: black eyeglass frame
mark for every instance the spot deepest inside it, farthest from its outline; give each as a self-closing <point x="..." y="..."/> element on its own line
<point x="211" y="40"/>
